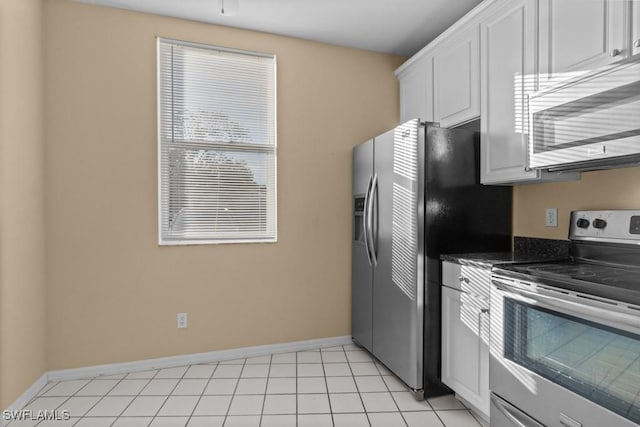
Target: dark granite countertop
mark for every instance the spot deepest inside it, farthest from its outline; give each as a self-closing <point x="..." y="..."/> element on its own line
<point x="526" y="249"/>
<point x="489" y="259"/>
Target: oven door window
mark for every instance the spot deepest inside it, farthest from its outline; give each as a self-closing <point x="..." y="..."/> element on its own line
<point x="597" y="362"/>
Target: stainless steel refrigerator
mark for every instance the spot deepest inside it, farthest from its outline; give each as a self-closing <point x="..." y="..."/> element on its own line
<point x="416" y="195"/>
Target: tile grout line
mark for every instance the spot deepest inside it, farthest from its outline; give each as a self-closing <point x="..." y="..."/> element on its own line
<point x="203" y="390"/>
<point x="134" y="397"/>
<point x="170" y="393"/>
<point x="324" y="376"/>
<point x="57" y="407"/>
<point x="391" y="393"/>
<point x="297" y="394"/>
<point x="264" y="397"/>
<point x="473" y="414"/>
<point x="233" y="396"/>
<point x="355" y="358"/>
<point x="75" y="394"/>
<point x="364" y="408"/>
<point x="101" y="398"/>
<point x="394" y="398"/>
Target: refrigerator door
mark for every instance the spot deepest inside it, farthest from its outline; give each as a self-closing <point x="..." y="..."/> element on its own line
<point x="361" y="269"/>
<point x="397" y="231"/>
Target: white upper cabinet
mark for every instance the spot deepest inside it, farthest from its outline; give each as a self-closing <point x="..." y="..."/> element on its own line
<point x="635" y="27"/>
<point x="580" y="35"/>
<point x="416" y="91"/>
<point x="456" y="78"/>
<point x="508" y="76"/>
<point x="489" y="62"/>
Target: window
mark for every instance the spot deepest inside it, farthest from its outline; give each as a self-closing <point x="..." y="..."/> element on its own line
<point x="216" y="145"/>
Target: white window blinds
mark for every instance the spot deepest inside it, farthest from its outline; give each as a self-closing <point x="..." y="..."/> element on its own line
<point x="216" y="144"/>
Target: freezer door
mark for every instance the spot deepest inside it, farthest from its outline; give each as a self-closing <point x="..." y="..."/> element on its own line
<point x="361" y="270"/>
<point x="398" y="276"/>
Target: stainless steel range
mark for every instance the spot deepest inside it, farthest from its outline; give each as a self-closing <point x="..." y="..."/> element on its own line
<point x="565" y="335"/>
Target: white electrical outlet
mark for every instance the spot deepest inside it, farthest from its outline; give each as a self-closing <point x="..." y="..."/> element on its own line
<point x="551" y="217"/>
<point x="182" y="320"/>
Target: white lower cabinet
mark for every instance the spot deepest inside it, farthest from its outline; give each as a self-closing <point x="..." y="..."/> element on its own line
<point x="465" y="337"/>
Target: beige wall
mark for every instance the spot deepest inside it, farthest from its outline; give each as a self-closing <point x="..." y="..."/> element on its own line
<point x="113" y="293"/>
<point x="22" y="290"/>
<point x="610" y="189"/>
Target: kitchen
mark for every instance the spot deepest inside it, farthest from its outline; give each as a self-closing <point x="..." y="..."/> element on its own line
<point x="111" y="292"/>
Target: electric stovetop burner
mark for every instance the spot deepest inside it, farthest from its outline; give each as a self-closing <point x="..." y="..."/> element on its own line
<point x="587" y="273"/>
<point x="605" y="257"/>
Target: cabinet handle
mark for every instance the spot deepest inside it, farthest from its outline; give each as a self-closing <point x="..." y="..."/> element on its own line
<point x="636" y="43"/>
<point x="463" y="279"/>
<point x="614" y="52"/>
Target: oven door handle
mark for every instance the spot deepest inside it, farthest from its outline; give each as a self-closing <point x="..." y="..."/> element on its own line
<point x="516" y="416"/>
<point x="613" y="314"/>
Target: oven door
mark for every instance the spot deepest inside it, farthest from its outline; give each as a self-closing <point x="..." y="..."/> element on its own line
<point x="564" y="359"/>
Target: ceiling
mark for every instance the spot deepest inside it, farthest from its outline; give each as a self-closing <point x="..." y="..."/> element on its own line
<point x="399" y="27"/>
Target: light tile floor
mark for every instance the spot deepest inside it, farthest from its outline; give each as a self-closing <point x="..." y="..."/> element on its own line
<point x="337" y="386"/>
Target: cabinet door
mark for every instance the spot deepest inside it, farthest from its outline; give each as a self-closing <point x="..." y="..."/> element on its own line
<point x="507" y="77"/>
<point x="416" y="91"/>
<point x="635" y="26"/>
<point x="580" y="35"/>
<point x="456" y="83"/>
<point x="465" y="347"/>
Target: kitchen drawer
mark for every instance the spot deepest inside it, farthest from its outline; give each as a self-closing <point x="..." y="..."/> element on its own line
<point x="466" y="278"/>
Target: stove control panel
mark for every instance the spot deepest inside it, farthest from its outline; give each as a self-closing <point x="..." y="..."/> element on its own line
<point x="634" y="226"/>
<point x="608" y="226"/>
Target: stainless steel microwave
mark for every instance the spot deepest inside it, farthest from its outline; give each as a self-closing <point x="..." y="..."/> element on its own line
<point x="589" y="122"/>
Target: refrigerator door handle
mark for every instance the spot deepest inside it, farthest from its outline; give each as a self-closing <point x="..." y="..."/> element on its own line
<point x="370" y="234"/>
<point x="365" y="219"/>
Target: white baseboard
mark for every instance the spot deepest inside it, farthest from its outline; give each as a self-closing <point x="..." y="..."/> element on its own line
<point x="193" y="359"/>
<point x="170" y="362"/>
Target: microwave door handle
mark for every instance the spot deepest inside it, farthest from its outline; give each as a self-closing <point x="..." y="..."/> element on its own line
<point x="364" y="220"/>
<point x="611" y="315"/>
<point x="517" y="417"/>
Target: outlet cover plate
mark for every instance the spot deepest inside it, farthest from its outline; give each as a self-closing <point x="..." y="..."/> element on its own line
<point x="181" y="319"/>
<point x="551" y="217"/>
